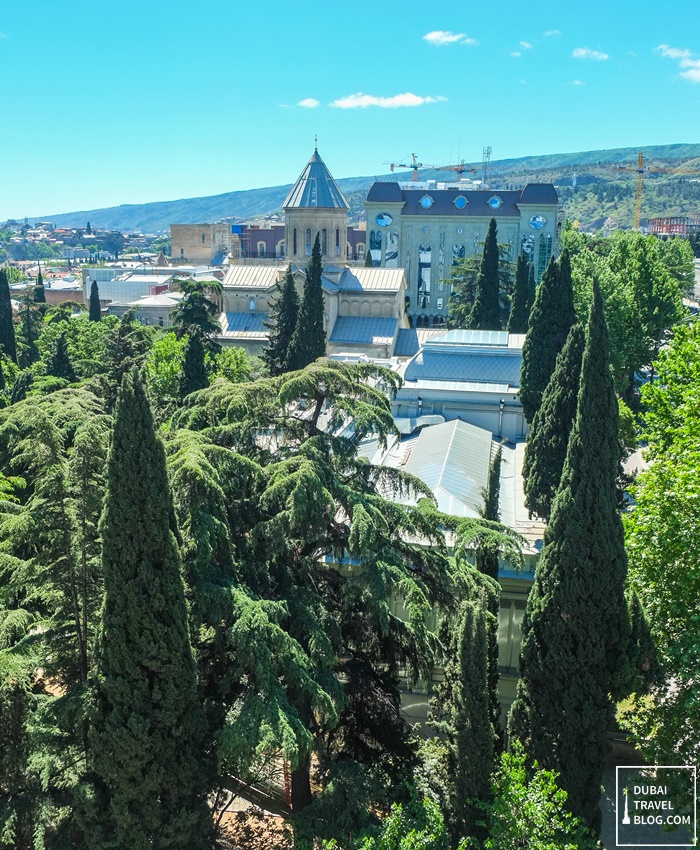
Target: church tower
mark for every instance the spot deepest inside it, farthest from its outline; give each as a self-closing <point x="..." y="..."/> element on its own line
<point x="316" y="205"/>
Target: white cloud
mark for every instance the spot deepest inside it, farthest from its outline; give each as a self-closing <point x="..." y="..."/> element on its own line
<point x="362" y="101"/>
<point x="551" y="33"/>
<point x="442" y="37"/>
<point x="685" y="59"/>
<point x="516" y="54"/>
<point x="309" y="103"/>
<point x="673" y="52"/>
<point x="586" y="53"/>
<point x="2" y="35"/>
<point x="577" y="83"/>
<point x="525" y="45"/>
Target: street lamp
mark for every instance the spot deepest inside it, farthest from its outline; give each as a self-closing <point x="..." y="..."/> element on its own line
<point x="420" y="404"/>
<point x="501" y="405"/>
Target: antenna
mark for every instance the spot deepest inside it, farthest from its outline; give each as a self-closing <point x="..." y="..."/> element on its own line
<point x="486" y="165"/>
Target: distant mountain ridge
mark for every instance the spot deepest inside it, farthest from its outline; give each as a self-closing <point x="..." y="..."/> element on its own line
<point x="157" y="216"/>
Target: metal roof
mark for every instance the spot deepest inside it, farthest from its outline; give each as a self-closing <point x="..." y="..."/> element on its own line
<point x="364" y="279"/>
<point x="244" y="325"/>
<point x="363" y="331"/>
<point x="472" y="337"/>
<point x="315" y="188"/>
<point x="453" y="460"/>
<point x="253" y="277"/>
<point x="502" y="368"/>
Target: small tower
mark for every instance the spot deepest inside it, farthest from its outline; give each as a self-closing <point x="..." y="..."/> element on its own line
<point x="316" y="205"/>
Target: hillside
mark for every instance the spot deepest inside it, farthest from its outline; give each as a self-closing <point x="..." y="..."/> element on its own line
<point x="600" y="192"/>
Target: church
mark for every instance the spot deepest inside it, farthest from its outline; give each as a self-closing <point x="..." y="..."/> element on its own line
<point x="364" y="308"/>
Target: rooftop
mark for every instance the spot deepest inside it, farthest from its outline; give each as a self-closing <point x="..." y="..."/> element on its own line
<point x="315" y="188"/>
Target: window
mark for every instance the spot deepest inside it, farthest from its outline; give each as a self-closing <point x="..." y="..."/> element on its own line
<point x="439" y="303"/>
<point x="324" y="242"/>
<point x="182" y="253"/>
<point x="337" y="242"/>
<point x="251" y="305"/>
<point x="360" y="250"/>
<point x="426" y="202"/>
<point x="203" y="239"/>
<point x="294" y="242"/>
<point x="307" y="242"/>
<point x="261" y="250"/>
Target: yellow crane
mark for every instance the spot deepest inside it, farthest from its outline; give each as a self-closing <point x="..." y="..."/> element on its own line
<point x="642" y="169"/>
<point x="415" y="165"/>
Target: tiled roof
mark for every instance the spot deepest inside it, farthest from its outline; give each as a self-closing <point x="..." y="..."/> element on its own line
<point x="315" y="188"/>
<point x="365" y="279"/>
<point x="453" y="460"/>
<point x="244" y="325"/>
<point x="253" y="277"/>
<point x="430" y="365"/>
<point x="477" y="199"/>
<point x="363" y="331"/>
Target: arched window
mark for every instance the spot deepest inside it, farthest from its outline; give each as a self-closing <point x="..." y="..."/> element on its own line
<point x="261" y="250"/>
<point x="294" y="241"/>
<point x="360" y="250"/>
<point x="307" y="242"/>
<point x="337" y="242"/>
<point x="203" y="239"/>
<point x="348" y="249"/>
<point x="324" y="242"/>
<point x="251" y="305"/>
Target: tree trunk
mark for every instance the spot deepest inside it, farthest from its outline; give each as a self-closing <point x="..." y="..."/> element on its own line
<point x="301" y="785"/>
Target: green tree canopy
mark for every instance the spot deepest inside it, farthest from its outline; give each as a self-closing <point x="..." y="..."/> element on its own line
<point x="309" y="337"/>
<point x="486" y="311"/>
<point x="283" y="321"/>
<point x="95" y="306"/>
<point x="520" y="309"/>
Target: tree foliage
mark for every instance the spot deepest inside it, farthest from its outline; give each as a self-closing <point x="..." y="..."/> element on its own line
<point x="283" y="321"/>
<point x="522" y="303"/>
<point x="7" y="328"/>
<point x="486" y="311"/>
<point x="95" y="306"/>
<point x="309" y="338"/>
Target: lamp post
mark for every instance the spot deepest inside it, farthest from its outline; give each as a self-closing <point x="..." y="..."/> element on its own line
<point x="501" y="405"/>
<point x="420" y="404"/>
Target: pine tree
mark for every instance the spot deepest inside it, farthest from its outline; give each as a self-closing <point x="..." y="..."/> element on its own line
<point x="309" y="338"/>
<point x="520" y="309"/>
<point x="194" y="374"/>
<point x="95" y="308"/>
<point x="147" y="731"/>
<point x="463" y="701"/>
<point x="88" y="229"/>
<point x="283" y="320"/>
<point x="7" y="327"/>
<point x="550" y="321"/>
<point x="39" y="292"/>
<point x="486" y="312"/>
<point x="58" y="363"/>
<point x="548" y="439"/>
<point x="576" y="631"/>
<point x="369" y="263"/>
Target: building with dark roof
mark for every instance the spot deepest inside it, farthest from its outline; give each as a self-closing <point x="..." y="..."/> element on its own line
<point x="427" y="230"/>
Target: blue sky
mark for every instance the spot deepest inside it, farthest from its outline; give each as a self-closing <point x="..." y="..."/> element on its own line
<point x="110" y="103"/>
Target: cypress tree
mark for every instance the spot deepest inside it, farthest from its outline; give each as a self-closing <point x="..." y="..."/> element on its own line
<point x="551" y="319"/>
<point x="486" y="312"/>
<point x="146" y="737"/>
<point x="487" y="555"/>
<point x="39" y="291"/>
<point x="531" y="291"/>
<point x="520" y="309"/>
<point x="283" y="320"/>
<point x="309" y="338"/>
<point x="369" y="262"/>
<point x="194" y="374"/>
<point x="576" y="630"/>
<point x="58" y="363"/>
<point x="7" y="327"/>
<point x="95" y="308"/>
<point x="548" y="439"/>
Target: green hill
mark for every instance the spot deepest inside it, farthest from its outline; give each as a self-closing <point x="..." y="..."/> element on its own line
<point x="601" y="191"/>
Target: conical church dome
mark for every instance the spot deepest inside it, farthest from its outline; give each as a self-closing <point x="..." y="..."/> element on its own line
<point x="315" y="188"/>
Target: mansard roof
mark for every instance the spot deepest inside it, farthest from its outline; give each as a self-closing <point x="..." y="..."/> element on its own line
<point x="315" y="188"/>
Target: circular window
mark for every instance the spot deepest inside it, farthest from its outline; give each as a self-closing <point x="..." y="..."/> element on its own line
<point x="460" y="231"/>
<point x="460" y="202"/>
<point x="494" y="202"/>
<point x="426" y="202"/>
<point x="537" y="222"/>
<point x="384" y="219"/>
<point x="425" y="229"/>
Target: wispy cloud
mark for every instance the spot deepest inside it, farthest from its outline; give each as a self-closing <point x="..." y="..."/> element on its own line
<point x="309" y="103"/>
<point x="525" y="45"/>
<point x="2" y="35"/>
<point x="686" y="60"/>
<point x="577" y="83"/>
<point x="441" y="37"/>
<point x="362" y="101"/>
<point x="587" y="53"/>
<point x="516" y="54"/>
<point x="551" y="33"/>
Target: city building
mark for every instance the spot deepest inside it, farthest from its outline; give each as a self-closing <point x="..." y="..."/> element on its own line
<point x="427" y="230"/>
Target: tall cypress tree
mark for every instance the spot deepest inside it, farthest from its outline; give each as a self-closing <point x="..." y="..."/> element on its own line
<point x="194" y="374"/>
<point x="548" y="439"/>
<point x="576" y="630"/>
<point x="487" y="555"/>
<point x="551" y="319"/>
<point x="39" y="291"/>
<point x="146" y="737"/>
<point x="95" y="308"/>
<point x="7" y="326"/>
<point x="283" y="321"/>
<point x="531" y="291"/>
<point x="58" y="363"/>
<point x="309" y="338"/>
<point x="369" y="263"/>
<point x="486" y="312"/>
<point x="520" y="309"/>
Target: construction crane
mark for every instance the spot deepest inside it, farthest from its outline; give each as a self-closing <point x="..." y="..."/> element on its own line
<point x="415" y="165"/>
<point x="643" y="169"/>
<point x="459" y="169"/>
